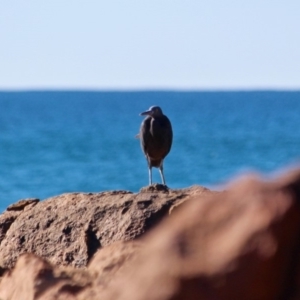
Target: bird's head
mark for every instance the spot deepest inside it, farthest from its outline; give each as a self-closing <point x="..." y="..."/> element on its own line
<point x="153" y="111"/>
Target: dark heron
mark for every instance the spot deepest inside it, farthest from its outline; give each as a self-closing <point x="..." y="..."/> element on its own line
<point x="156" y="139"/>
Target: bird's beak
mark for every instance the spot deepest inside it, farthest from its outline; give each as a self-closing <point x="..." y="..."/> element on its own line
<point x="146" y="113"/>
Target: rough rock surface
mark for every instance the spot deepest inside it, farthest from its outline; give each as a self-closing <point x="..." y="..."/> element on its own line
<point x="240" y="244"/>
<point x="243" y="243"/>
<point x="70" y="228"/>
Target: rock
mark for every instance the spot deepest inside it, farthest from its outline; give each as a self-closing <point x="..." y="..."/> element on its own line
<point x="242" y="243"/>
<point x="108" y="262"/>
<point x="196" y="190"/>
<point x="6" y="219"/>
<point x="20" y="205"/>
<point x="156" y="187"/>
<point x="239" y="244"/>
<point x="34" y="278"/>
<point x="70" y="228"/>
<point x="110" y="259"/>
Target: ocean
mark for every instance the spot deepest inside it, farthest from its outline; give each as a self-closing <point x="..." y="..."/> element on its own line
<point x="58" y="141"/>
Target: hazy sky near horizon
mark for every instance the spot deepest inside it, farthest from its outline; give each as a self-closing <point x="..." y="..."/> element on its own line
<point x="157" y="44"/>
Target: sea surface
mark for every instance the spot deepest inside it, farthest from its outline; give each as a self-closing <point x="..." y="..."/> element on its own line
<point x="60" y="142"/>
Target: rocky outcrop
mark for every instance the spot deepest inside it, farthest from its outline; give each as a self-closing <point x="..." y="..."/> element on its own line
<point x="239" y="244"/>
<point x="69" y="229"/>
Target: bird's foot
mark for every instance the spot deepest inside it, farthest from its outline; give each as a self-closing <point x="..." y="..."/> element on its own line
<point x="155" y="187"/>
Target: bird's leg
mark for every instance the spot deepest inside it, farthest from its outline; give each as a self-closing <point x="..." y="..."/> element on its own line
<point x="161" y="171"/>
<point x="150" y="170"/>
<point x="150" y="175"/>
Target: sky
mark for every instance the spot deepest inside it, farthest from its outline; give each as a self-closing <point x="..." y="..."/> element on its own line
<point x="157" y="44"/>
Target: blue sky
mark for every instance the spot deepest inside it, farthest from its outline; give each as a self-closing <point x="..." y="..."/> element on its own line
<point x="157" y="44"/>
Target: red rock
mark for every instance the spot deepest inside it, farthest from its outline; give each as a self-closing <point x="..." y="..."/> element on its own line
<point x="238" y="244"/>
<point x="35" y="279"/>
<point x="69" y="229"/>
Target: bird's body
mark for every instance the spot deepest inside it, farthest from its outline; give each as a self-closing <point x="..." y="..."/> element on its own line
<point x="156" y="139"/>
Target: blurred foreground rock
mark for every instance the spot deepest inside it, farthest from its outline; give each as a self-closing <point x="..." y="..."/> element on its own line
<point x="240" y="244"/>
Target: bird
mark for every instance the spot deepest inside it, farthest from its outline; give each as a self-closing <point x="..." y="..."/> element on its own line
<point x="156" y="136"/>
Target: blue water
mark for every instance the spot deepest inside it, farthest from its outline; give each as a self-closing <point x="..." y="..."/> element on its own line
<point x="57" y="142"/>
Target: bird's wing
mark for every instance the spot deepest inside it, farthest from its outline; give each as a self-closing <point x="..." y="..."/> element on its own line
<point x="168" y="134"/>
<point x="145" y="134"/>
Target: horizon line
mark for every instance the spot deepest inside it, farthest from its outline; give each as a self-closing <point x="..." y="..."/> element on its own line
<point x="137" y="90"/>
